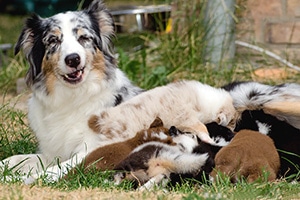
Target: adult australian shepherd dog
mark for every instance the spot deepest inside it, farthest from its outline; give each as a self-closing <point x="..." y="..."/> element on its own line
<point x="72" y="74"/>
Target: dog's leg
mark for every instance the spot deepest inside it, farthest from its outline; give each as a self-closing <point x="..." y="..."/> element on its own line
<point x="154" y="181"/>
<point x="24" y="163"/>
<point x="55" y="172"/>
<point x="198" y="128"/>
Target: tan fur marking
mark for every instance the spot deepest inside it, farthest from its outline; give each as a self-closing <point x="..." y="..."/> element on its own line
<point x="98" y="63"/>
<point x="196" y="128"/>
<point x="103" y="115"/>
<point x="124" y="126"/>
<point x="107" y="133"/>
<point x="160" y="166"/>
<point x="286" y="107"/>
<point x="156" y="123"/>
<point x="80" y="31"/>
<point x="48" y="68"/>
<point x="56" y="31"/>
<point x="137" y="106"/>
<point x="93" y="123"/>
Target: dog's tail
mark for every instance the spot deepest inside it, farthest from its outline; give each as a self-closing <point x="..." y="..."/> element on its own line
<point x="253" y="95"/>
<point x="281" y="101"/>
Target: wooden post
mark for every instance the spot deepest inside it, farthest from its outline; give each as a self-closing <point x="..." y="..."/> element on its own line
<point x="219" y="18"/>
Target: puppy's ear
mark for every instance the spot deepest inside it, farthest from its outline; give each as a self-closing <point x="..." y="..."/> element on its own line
<point x="222" y="119"/>
<point x="157" y="123"/>
<point x="30" y="41"/>
<point x="103" y="21"/>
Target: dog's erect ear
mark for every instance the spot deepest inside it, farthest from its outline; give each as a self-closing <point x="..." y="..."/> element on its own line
<point x="30" y="41"/>
<point x="98" y="11"/>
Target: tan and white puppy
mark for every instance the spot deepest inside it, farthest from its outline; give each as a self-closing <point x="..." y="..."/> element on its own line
<point x="181" y="104"/>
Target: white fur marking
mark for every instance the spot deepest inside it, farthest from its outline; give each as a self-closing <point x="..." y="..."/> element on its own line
<point x="263" y="128"/>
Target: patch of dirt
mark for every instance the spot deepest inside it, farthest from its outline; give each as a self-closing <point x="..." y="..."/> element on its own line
<point x="17" y="191"/>
<point x="18" y="102"/>
<point x="274" y="74"/>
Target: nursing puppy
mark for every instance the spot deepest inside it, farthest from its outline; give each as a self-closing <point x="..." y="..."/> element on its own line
<point x="147" y="166"/>
<point x="108" y="156"/>
<point x="285" y="136"/>
<point x="73" y="75"/>
<point x="152" y="163"/>
<point x="274" y="111"/>
<point x="250" y="154"/>
<point x="221" y="136"/>
<point x="190" y="103"/>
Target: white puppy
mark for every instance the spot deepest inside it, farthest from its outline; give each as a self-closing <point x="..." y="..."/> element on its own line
<point x="182" y="104"/>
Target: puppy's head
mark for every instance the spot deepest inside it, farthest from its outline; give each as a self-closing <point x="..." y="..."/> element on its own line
<point x="65" y="48"/>
<point x="187" y="141"/>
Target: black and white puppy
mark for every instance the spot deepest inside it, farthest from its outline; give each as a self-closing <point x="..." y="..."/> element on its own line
<point x="274" y="111"/>
<point x="221" y="136"/>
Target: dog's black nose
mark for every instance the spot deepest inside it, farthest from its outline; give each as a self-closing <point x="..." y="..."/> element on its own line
<point x="72" y="60"/>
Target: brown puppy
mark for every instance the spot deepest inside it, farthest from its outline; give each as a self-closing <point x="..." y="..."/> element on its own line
<point x="106" y="157"/>
<point x="249" y="154"/>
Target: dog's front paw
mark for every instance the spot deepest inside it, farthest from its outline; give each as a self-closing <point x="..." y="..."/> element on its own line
<point x="47" y="176"/>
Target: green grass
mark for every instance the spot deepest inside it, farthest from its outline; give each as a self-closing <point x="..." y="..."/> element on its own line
<point x="16" y="137"/>
<point x="149" y="60"/>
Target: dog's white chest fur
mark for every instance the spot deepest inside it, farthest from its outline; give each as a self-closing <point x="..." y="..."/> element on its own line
<point x="60" y="120"/>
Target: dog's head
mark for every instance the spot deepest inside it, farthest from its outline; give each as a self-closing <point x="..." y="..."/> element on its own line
<point x="65" y="48"/>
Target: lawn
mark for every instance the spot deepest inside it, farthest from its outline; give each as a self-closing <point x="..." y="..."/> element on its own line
<point x="159" y="59"/>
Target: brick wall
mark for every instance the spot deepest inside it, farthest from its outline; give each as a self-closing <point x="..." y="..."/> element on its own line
<point x="272" y="24"/>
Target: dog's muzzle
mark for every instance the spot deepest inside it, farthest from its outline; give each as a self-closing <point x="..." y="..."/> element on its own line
<point x="73" y="61"/>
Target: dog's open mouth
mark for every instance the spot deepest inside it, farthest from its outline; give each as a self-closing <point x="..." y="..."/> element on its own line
<point x="74" y="77"/>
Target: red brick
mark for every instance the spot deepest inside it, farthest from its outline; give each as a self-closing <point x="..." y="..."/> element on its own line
<point x="261" y="10"/>
<point x="283" y="32"/>
<point x="265" y="8"/>
<point x="293" y="8"/>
